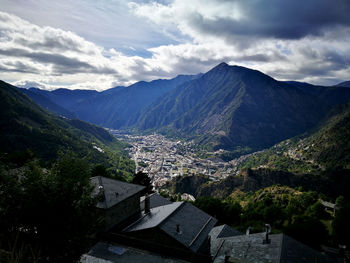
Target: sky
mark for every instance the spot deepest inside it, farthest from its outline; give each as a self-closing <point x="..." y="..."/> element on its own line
<point x="99" y="44"/>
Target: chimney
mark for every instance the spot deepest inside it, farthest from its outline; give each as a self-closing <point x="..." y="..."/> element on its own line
<point x="147" y="204"/>
<point x="247" y="232"/>
<point x="101" y="190"/>
<point x="178" y="229"/>
<point x="268" y="231"/>
<point x="227" y="257"/>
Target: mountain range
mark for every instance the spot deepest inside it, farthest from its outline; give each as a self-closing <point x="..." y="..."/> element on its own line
<point x="114" y="108"/>
<point x="229" y="107"/>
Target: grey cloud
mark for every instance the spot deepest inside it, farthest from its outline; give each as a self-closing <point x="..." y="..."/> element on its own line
<point x="17" y="66"/>
<point x="49" y="43"/>
<point x="331" y="61"/>
<point x="259" y="57"/>
<point x="142" y="71"/>
<point x="281" y="19"/>
<point x="19" y="70"/>
<point x="61" y="64"/>
<point x="322" y="65"/>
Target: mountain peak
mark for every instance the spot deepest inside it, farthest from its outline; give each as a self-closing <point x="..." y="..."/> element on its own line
<point x="222" y="65"/>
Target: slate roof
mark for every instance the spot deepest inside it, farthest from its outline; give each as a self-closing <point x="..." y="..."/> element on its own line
<point x="224" y="231"/>
<point x="156" y="216"/>
<point x="114" y="191"/>
<point x="194" y="224"/>
<point x="250" y="249"/>
<point x="155" y="201"/>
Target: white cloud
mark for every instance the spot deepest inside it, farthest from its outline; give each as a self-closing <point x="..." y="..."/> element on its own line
<point x="281" y="38"/>
<point x="62" y="58"/>
<point x="207" y="33"/>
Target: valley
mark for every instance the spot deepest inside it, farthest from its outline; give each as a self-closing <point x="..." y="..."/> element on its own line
<point x="163" y="159"/>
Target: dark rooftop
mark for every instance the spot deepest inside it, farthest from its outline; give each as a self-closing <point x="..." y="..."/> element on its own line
<point x="155" y="201"/>
<point x="114" y="191"/>
<point x="224" y="231"/>
<point x="182" y="221"/>
<point x="156" y="216"/>
<point x="250" y="248"/>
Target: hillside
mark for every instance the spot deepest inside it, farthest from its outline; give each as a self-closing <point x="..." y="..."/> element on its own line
<point x="317" y="161"/>
<point x="327" y="147"/>
<point x="231" y="106"/>
<point x="331" y="96"/>
<point x="26" y="126"/>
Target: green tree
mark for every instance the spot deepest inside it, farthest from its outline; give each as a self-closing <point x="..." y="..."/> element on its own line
<point x="341" y="227"/>
<point x="226" y="212"/>
<point x="142" y="178"/>
<point x="100" y="170"/>
<point x="308" y="230"/>
<point x="53" y="211"/>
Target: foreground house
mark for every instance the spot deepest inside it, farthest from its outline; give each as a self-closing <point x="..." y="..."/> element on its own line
<point x="179" y="229"/>
<point x="119" y="202"/>
<point x="173" y="230"/>
<point x="153" y="229"/>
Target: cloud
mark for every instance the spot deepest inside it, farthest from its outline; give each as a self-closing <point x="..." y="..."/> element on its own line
<point x="279" y="19"/>
<point x="29" y="84"/>
<point x="288" y="40"/>
<point x="62" y="55"/>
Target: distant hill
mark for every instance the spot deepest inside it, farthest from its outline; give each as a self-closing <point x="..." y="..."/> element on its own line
<point x="115" y="108"/>
<point x="331" y="96"/>
<point x="231" y="106"/>
<point x="64" y="97"/>
<point x="24" y="126"/>
<point x="47" y="104"/>
<point x="344" y="84"/>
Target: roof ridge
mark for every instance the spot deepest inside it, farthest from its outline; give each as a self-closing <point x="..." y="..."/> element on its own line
<point x="144" y="215"/>
<point x="281" y="248"/>
<point x="200" y="231"/>
<point x="119" y="181"/>
<point x="129" y="226"/>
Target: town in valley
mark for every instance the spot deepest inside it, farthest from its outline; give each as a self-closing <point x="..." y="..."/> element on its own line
<point x="163" y="159"/>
